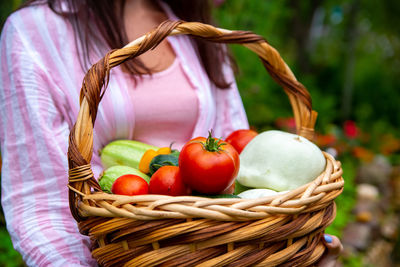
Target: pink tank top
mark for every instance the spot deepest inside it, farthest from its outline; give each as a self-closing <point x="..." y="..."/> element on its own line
<point x="166" y="107"/>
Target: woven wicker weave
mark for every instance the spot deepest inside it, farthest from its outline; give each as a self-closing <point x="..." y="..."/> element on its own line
<point x="150" y="230"/>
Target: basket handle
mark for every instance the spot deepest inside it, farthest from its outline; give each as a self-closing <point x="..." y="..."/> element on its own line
<point x="95" y="82"/>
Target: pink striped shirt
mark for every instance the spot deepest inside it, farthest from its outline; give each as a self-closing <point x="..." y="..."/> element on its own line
<point x="165" y="107"/>
<point x="40" y="80"/>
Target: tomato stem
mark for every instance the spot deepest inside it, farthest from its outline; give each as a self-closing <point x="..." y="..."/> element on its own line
<point x="213" y="144"/>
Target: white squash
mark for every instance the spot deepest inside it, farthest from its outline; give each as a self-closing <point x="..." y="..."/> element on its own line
<point x="280" y="161"/>
<point x="259" y="193"/>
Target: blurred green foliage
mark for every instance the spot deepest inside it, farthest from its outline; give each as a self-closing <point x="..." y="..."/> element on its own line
<point x="346" y="53"/>
<point x="6" y="7"/>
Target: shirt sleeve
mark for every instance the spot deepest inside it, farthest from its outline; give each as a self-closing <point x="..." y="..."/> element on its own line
<point x="34" y="139"/>
<point x="231" y="114"/>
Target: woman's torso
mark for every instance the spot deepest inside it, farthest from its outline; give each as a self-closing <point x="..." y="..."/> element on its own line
<point x="116" y="117"/>
<point x="165" y="107"/>
<point x="49" y="40"/>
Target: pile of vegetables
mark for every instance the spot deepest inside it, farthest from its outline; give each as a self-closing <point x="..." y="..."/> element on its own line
<point x="246" y="165"/>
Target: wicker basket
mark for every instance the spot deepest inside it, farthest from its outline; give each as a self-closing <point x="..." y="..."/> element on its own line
<point x="150" y="230"/>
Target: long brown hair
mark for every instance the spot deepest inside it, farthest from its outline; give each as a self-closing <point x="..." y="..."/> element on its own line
<point x="94" y="24"/>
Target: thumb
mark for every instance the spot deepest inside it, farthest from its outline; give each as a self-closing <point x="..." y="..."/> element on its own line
<point x="334" y="248"/>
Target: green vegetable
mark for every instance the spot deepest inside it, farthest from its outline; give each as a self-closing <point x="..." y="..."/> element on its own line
<point x="124" y="152"/>
<point x="175" y="152"/>
<point x="239" y="188"/>
<point x="217" y="196"/>
<point x="224" y="196"/>
<point x="163" y="160"/>
<point x="111" y="174"/>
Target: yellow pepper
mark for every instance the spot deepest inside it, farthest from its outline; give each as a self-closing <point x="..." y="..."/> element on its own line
<point x="144" y="164"/>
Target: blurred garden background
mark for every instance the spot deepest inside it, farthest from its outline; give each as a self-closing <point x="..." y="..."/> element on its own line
<point x="347" y="53"/>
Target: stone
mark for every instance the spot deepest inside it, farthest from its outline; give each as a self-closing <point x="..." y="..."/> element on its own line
<point x="357" y="235"/>
<point x="389" y="227"/>
<point x="379" y="254"/>
<point x="376" y="172"/>
<point x="367" y="192"/>
<point x="369" y="212"/>
<point x="364" y="217"/>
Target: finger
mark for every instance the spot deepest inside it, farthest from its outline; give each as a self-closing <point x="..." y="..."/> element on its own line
<point x="333" y="249"/>
<point x="333" y="245"/>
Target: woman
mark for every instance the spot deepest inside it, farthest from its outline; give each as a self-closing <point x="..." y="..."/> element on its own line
<point x="180" y="90"/>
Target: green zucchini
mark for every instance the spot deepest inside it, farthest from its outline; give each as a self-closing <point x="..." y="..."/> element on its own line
<point x="124" y="152"/>
<point x="239" y="188"/>
<point x="111" y="174"/>
<point x="217" y="196"/>
<point x="163" y="160"/>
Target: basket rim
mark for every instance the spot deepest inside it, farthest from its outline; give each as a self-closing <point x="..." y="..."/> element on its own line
<point x="309" y="197"/>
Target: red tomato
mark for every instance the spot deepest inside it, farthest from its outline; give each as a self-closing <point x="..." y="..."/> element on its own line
<point x="167" y="180"/>
<point x="240" y="138"/>
<point x="130" y="185"/>
<point x="207" y="165"/>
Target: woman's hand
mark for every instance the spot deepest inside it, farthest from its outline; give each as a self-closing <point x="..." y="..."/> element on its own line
<point x="334" y="248"/>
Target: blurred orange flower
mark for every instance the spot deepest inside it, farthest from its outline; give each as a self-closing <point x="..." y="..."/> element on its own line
<point x="324" y="140"/>
<point x="389" y="144"/>
<point x="362" y="153"/>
